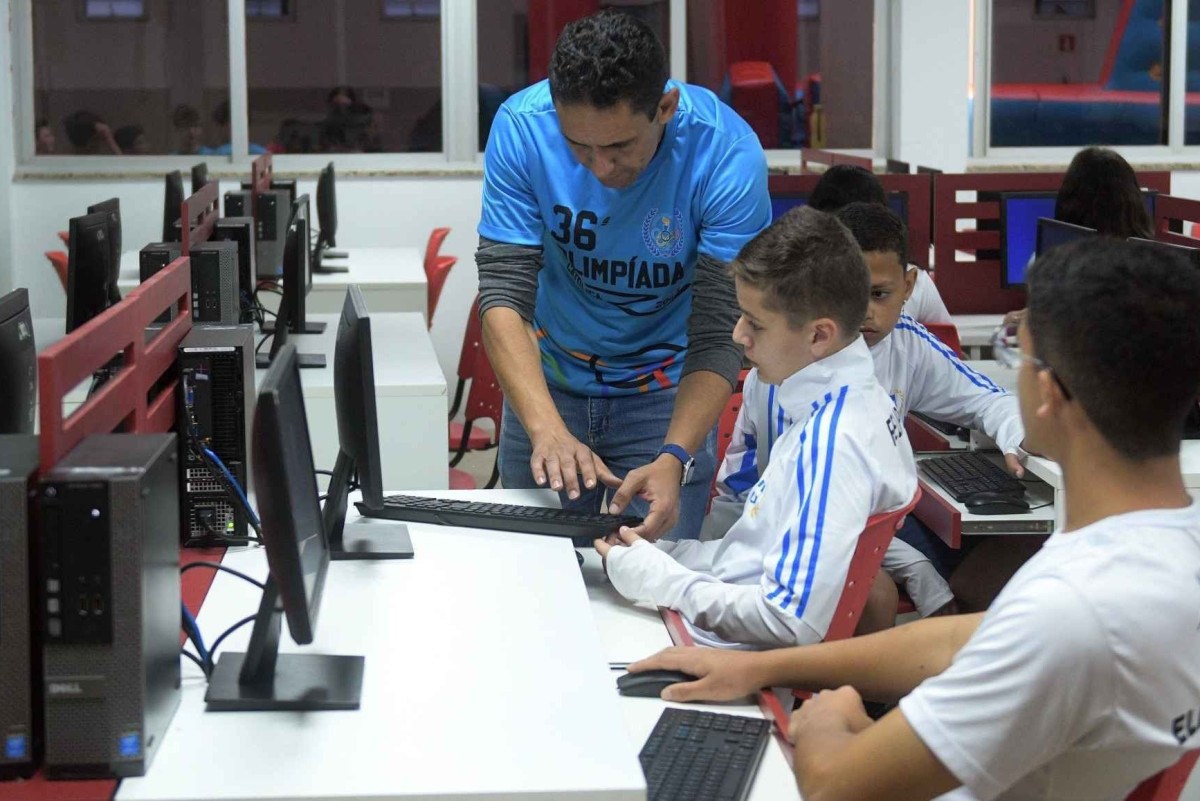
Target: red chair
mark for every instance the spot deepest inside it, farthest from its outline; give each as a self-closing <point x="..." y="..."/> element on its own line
<point x="65" y="236"/>
<point x="58" y="260"/>
<point x="437" y="269"/>
<point x="755" y="96"/>
<point x="472" y="346"/>
<point x="948" y="334"/>
<point x="485" y="401"/>
<point x="1166" y="785"/>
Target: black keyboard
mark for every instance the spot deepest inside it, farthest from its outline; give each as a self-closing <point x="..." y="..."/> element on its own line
<point x="697" y="756"/>
<point x="963" y="474"/>
<point x="581" y="527"/>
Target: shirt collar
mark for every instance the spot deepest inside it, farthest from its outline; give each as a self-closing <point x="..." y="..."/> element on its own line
<point x="852" y="366"/>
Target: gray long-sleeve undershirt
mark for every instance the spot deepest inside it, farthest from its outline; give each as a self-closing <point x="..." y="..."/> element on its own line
<point x="508" y="276"/>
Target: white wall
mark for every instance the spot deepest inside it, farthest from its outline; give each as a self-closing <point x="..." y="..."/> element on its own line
<point x="371" y="212"/>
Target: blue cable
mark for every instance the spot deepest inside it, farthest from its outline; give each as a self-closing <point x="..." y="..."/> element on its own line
<point x="193" y="631"/>
<point x="233" y="483"/>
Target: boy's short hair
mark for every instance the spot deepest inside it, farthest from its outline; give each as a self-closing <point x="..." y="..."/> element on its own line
<point x="807" y="265"/>
<point x="876" y="228"/>
<point x="607" y="58"/>
<point x="843" y="184"/>
<point x="81" y="127"/>
<point x="185" y="116"/>
<point x="1119" y="324"/>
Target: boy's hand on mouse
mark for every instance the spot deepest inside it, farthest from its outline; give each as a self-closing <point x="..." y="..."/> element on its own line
<point x="1013" y="463"/>
<point x="721" y="675"/>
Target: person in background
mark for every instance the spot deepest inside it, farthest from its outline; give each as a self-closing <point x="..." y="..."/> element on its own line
<point x="43" y="138"/>
<point x="189" y="133"/>
<point x="89" y="135"/>
<point x="220" y="117"/>
<point x="132" y="140"/>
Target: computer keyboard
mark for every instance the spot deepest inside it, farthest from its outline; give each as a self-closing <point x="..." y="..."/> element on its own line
<point x="696" y="756"/>
<point x="581" y="527"/>
<point x="964" y="474"/>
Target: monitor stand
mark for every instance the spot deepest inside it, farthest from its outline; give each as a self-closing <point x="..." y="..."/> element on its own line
<point x="366" y="540"/>
<point x="308" y="328"/>
<point x="314" y="360"/>
<point x="263" y="680"/>
<point x="319" y="265"/>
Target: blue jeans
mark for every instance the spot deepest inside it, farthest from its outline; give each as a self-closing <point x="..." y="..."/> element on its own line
<point x="626" y="432"/>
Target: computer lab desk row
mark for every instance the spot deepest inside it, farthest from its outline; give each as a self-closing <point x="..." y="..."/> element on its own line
<point x="487" y="676"/>
<point x="410" y="396"/>
<point x="392" y="280"/>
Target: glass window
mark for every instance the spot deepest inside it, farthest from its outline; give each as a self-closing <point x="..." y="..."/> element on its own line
<point x="114" y="9"/>
<point x="268" y="9"/>
<point x="148" y="85"/>
<point x="1062" y="76"/>
<point x="1191" y="125"/>
<point x="786" y="68"/>
<point x="331" y="79"/>
<point x="401" y="9"/>
<point x="516" y="38"/>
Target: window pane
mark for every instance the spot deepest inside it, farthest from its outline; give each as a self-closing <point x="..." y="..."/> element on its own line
<point x="787" y="66"/>
<point x="332" y="79"/>
<point x="1062" y="78"/>
<point x="411" y="8"/>
<point x="109" y="9"/>
<point x="1191" y="133"/>
<point x="269" y="9"/>
<point x="516" y="38"/>
<point x="150" y="85"/>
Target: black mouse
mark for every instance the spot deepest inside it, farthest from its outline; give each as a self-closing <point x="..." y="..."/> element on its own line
<point x="995" y="503"/>
<point x="650" y="683"/>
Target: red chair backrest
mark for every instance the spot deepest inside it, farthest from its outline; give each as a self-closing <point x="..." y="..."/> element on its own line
<point x="725" y="424"/>
<point x="754" y="95"/>
<point x="1166" y="785"/>
<point x="58" y="260"/>
<point x="864" y="567"/>
<point x="472" y="343"/>
<point x="436" y="237"/>
<point x="948" y="334"/>
<point x="485" y="399"/>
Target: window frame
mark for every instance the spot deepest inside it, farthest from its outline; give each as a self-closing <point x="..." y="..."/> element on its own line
<point x="1175" y="155"/>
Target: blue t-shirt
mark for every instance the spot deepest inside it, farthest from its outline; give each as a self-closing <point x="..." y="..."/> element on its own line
<point x="614" y="293"/>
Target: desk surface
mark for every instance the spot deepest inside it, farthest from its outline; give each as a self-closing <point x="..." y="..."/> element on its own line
<point x="1189" y="457"/>
<point x="373" y="268"/>
<point x="975" y="330"/>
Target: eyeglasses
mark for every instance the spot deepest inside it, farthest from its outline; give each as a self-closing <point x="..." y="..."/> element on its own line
<point x="1006" y="349"/>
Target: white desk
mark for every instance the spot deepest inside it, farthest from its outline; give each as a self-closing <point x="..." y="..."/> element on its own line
<point x="392" y="280"/>
<point x="975" y="331"/>
<point x="410" y="399"/>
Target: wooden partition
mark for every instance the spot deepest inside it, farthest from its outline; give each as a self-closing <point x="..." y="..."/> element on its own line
<point x="141" y="396"/>
<point x="199" y="215"/>
<point x="917" y="187"/>
<point x="966" y="235"/>
<point x="1174" y="218"/>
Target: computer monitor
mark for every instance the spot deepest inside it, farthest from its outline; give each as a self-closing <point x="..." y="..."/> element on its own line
<point x="783" y="202"/>
<point x="263" y="679"/>
<point x="112" y="207"/>
<point x="1019" y="213"/>
<point x="327" y="220"/>
<point x="18" y="365"/>
<point x="297" y="270"/>
<point x="1052" y="234"/>
<point x="1191" y="254"/>
<point x="1150" y="198"/>
<point x="287" y="185"/>
<point x="898" y="203"/>
<point x="199" y="176"/>
<point x="358" y="441"/>
<point x="172" y="202"/>
<point x="89" y="268"/>
<point x="898" y="167"/>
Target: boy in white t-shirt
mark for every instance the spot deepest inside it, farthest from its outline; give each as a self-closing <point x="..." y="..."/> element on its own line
<point x="1083" y="678"/>
<point x="777" y="575"/>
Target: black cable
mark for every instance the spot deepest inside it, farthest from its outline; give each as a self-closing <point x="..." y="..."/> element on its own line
<point x="223" y="569"/>
<point x="196" y="659"/>
<point x="232" y="493"/>
<point x="212" y="652"/>
<point x="262" y="342"/>
<point x="324" y="473"/>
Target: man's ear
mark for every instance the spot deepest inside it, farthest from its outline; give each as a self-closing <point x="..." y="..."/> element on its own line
<point x="668" y="104"/>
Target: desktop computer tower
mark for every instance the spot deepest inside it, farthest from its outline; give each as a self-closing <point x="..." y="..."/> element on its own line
<point x="216" y="292"/>
<point x="216" y="368"/>
<point x="151" y="259"/>
<point x="109" y="576"/>
<point x="270" y="221"/>
<point x="241" y="231"/>
<point x="20" y="708"/>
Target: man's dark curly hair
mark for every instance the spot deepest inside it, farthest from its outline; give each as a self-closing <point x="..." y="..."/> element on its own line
<point x="608" y="58"/>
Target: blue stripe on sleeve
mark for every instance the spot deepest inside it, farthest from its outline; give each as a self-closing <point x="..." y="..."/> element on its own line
<point x="787" y="536"/>
<point x="802" y="522"/>
<point x="747" y="472"/>
<point x="829" y="450"/>
<point x="939" y="347"/>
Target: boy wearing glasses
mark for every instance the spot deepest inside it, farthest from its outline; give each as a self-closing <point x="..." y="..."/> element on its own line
<point x="776" y="577"/>
<point x="920" y="373"/>
<point x="1084" y="677"/>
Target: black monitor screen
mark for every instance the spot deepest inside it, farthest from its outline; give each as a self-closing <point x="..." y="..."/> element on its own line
<point x="18" y="364"/>
<point x="1052" y="234"/>
<point x="292" y="531"/>
<point x="1192" y="254"/>
<point x="172" y="202"/>
<point x="199" y="176"/>
<point x="112" y="207"/>
<point x="88" y="268"/>
<point x="782" y="203"/>
<point x="354" y="396"/>
<point x="1149" y="197"/>
<point x="327" y="206"/>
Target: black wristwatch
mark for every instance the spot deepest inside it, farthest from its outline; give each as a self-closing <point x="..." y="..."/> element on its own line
<point x="689" y="464"/>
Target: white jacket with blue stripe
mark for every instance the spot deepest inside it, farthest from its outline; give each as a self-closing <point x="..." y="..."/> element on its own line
<point x="914" y="367"/>
<point x="776" y="577"/>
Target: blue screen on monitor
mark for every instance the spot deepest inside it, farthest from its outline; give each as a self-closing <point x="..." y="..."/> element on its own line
<point x="781" y="204"/>
<point x="1019" y="213"/>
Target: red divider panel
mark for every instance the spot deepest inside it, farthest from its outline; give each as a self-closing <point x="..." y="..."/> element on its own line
<point x="973" y="286"/>
<point x="124" y="398"/>
<point x="199" y="215"/>
<point x="1168" y="210"/>
<point x="829" y="158"/>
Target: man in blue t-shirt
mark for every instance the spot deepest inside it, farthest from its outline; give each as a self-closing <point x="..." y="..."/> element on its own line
<point x="612" y="201"/>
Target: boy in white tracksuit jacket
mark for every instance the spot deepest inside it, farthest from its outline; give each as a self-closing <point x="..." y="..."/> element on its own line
<point x="917" y="370"/>
<point x="778" y="574"/>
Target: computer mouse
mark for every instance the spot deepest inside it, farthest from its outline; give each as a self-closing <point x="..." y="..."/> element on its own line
<point x="995" y="503"/>
<point x="650" y="683"/>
